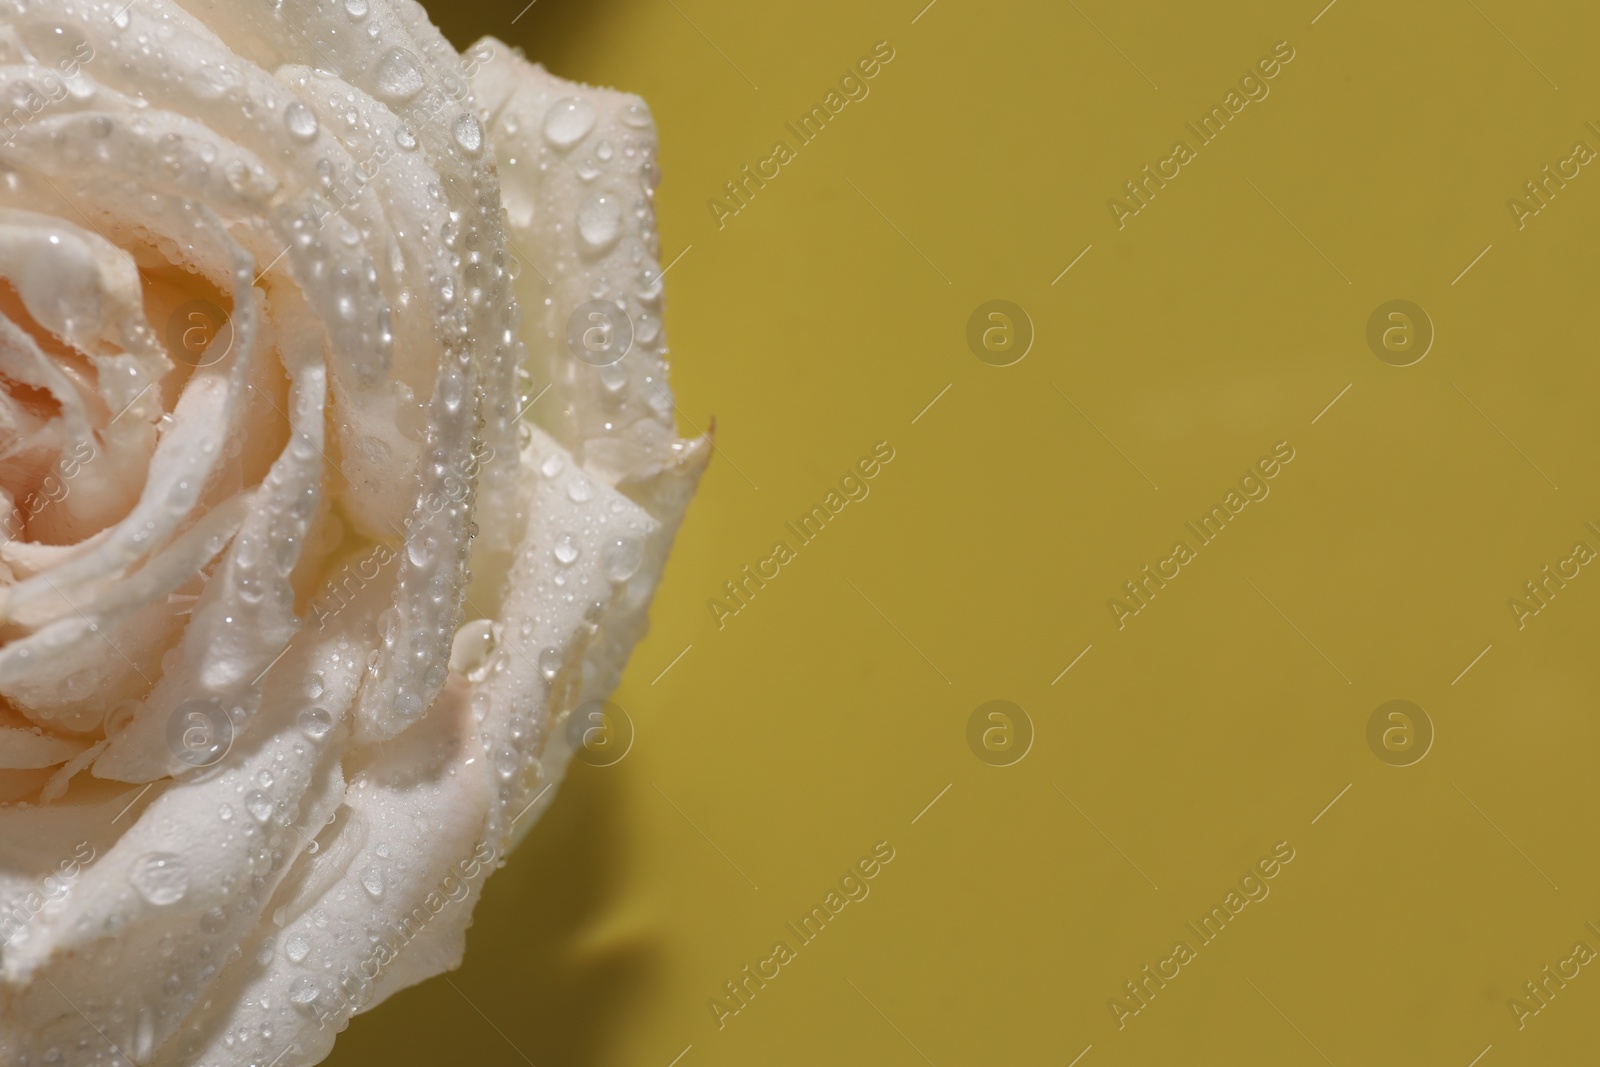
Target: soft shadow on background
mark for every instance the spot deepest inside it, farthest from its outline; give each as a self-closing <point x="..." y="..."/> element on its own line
<point x="542" y="959"/>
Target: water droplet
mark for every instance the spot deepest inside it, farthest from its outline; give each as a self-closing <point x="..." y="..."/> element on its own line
<point x="372" y="881"/>
<point x="636" y="115"/>
<point x="468" y="134"/>
<point x="302" y="123"/>
<point x="566" y="549"/>
<point x="315" y="722"/>
<point x="568" y="122"/>
<point x="398" y="76"/>
<point x="648" y="328"/>
<point x="622" y="558"/>
<point x="604" y="151"/>
<point x="549" y="662"/>
<point x="579" y="489"/>
<point x="403" y="138"/>
<point x="161" y="878"/>
<point x="471" y="647"/>
<point x="588" y="171"/>
<point x="599" y="222"/>
<point x="420" y="552"/>
<point x="259" y="807"/>
<point x="302" y="991"/>
<point x="120" y="20"/>
<point x="356" y="9"/>
<point x="551" y="465"/>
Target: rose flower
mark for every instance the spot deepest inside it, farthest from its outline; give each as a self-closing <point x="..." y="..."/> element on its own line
<point x="338" y="465"/>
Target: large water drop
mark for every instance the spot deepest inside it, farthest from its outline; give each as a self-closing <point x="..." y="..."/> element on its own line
<point x="468" y="134"/>
<point x="599" y="222"/>
<point x="161" y="878"/>
<point x="398" y="76"/>
<point x="568" y="122"/>
<point x="302" y="123"/>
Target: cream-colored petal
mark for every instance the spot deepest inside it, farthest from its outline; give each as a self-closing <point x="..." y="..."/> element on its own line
<point x="27" y="750"/>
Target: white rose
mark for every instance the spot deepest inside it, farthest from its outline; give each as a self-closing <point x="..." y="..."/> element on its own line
<point x="319" y="523"/>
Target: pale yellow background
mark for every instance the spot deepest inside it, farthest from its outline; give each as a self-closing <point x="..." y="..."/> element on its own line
<point x="1225" y="717"/>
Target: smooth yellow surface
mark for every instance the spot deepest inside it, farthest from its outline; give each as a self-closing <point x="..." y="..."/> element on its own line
<point x="1228" y="714"/>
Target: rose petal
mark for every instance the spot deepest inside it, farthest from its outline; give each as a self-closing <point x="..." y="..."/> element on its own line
<point x="415" y="815"/>
<point x="589" y="210"/>
<point x="26" y="749"/>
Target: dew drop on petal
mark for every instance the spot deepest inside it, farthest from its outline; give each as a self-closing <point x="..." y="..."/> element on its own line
<point x="599" y="222"/>
<point x="257" y="804"/>
<point x="296" y="948"/>
<point x="161" y="878"/>
<point x="470" y="649"/>
<point x="315" y="722"/>
<point x="302" y="123"/>
<point x="372" y="881"/>
<point x="566" y="549"/>
<point x="568" y="121"/>
<point x="398" y="77"/>
<point x="549" y="662"/>
<point x="468" y="134"/>
<point x="622" y="558"/>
